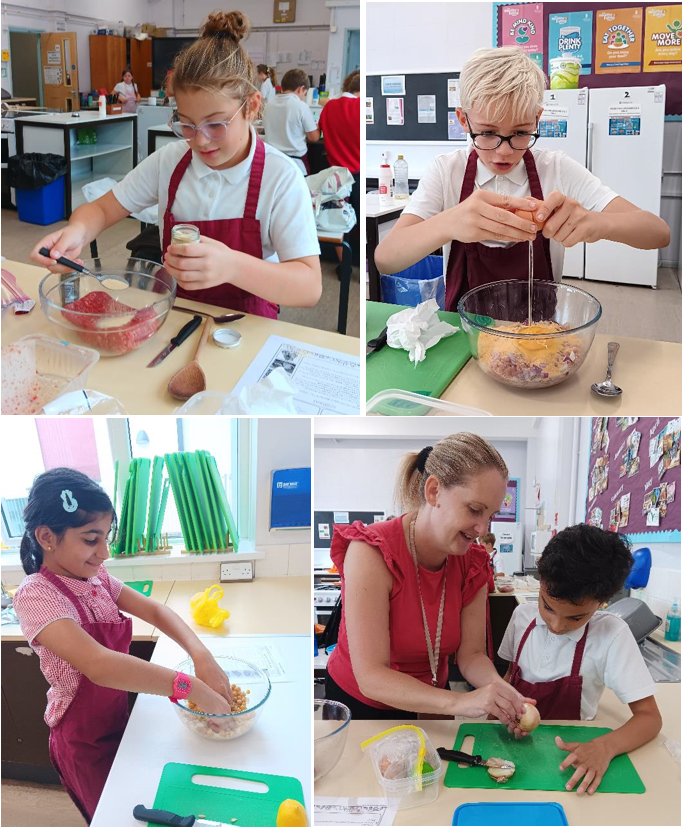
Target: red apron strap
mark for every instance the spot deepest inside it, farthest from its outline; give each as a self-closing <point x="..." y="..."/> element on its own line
<point x="255" y="178"/>
<point x="48" y="575"/>
<point x="176" y="177"/>
<point x="578" y="654"/>
<point x="524" y="638"/>
<point x="469" y="176"/>
<point x="533" y="177"/>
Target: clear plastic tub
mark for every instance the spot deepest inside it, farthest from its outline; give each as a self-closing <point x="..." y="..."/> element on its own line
<point x="37" y="369"/>
<point x="396" y="402"/>
<point x="396" y="752"/>
<point x="330" y="719"/>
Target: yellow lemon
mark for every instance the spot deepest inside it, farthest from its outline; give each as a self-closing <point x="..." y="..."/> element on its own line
<point x="291" y="814"/>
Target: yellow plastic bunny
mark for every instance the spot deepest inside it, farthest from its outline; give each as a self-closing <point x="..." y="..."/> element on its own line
<point x="205" y="608"/>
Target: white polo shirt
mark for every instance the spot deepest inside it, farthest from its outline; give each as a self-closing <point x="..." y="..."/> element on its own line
<point x="286" y="120"/>
<point x="267" y="90"/>
<point x="440" y="187"/>
<point x="284" y="207"/>
<point x="611" y="657"/>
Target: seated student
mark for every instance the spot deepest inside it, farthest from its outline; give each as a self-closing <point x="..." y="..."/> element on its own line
<point x="258" y="246"/>
<point x="268" y="80"/>
<point x="288" y="120"/>
<point x="563" y="654"/>
<point x="466" y="198"/>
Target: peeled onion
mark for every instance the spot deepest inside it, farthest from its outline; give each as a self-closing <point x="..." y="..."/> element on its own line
<point x="530" y="719"/>
<point x="500" y="769"/>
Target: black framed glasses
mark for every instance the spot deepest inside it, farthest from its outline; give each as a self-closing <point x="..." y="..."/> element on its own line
<point x="490" y="140"/>
<point x="215" y="131"/>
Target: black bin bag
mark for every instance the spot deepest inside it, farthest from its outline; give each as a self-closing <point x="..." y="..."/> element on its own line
<point x="34" y="170"/>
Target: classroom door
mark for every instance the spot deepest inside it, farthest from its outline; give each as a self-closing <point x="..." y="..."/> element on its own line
<point x="351" y="56"/>
<point x="59" y="59"/>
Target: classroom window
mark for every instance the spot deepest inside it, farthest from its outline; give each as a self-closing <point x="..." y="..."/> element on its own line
<point x="94" y="445"/>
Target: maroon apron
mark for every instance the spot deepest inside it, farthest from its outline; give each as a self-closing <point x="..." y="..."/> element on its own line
<point x="474" y="264"/>
<point x="84" y="742"/>
<point x="242" y="234"/>
<point x="558" y="700"/>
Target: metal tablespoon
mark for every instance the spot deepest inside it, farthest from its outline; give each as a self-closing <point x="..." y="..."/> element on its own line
<point x="226" y="319"/>
<point x="607" y="388"/>
<point x="119" y="282"/>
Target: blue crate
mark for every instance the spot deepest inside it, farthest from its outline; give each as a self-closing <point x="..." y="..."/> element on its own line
<point x="42" y="206"/>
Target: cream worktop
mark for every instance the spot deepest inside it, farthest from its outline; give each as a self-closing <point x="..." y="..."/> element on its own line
<point x="660" y="804"/>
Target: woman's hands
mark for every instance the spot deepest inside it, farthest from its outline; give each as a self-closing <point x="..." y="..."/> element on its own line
<point x="498" y="698"/>
<point x="203" y="264"/>
<point x="589" y="760"/>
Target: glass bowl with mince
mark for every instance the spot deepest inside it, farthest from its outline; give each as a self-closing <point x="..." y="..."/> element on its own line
<point x="547" y="351"/>
<point x="251" y="688"/>
<point x="110" y="317"/>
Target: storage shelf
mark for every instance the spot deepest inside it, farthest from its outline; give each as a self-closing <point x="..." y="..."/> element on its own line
<point x="79" y="152"/>
<point x="79" y="181"/>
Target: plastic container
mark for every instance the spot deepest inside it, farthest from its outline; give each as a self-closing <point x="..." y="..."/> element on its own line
<point x="504" y="585"/>
<point x="406" y="765"/>
<point x="385" y="185"/>
<point x="42" y="206"/>
<point x="526" y="813"/>
<point x="417" y="283"/>
<point x="397" y="402"/>
<point x="672" y="623"/>
<point x="37" y="369"/>
<point x="564" y="72"/>
<point x="495" y="315"/>
<point x="227" y="727"/>
<point x="113" y="322"/>
<point x="401" y="187"/>
<point x="102" y="106"/>
<point x="330" y="719"/>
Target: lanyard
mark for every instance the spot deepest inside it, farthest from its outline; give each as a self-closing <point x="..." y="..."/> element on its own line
<point x="433" y="651"/>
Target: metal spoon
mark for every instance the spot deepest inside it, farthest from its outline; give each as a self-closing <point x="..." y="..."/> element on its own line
<point x="228" y="317"/>
<point x="119" y="283"/>
<point x="607" y="388"/>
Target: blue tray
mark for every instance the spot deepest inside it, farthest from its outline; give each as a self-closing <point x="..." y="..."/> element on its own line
<point x="528" y="813"/>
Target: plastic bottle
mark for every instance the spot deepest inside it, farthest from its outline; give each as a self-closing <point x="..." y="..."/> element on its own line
<point x="672" y="623"/>
<point x="385" y="184"/>
<point x="102" y="106"/>
<point x="401" y="189"/>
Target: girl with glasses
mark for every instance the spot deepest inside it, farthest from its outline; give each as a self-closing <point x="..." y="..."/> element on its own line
<point x="467" y="198"/>
<point x="258" y="246"/>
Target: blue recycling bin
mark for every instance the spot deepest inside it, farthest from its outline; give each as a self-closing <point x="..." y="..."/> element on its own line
<point x="42" y="206"/>
<point x="418" y="283"/>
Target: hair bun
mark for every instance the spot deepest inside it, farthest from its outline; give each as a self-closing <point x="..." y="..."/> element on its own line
<point x="232" y="24"/>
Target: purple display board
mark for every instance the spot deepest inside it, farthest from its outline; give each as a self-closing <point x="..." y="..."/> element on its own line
<point x="672" y="80"/>
<point x="634" y="477"/>
<point x="509" y="513"/>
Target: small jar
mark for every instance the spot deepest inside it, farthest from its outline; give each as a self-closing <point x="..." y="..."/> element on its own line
<point x="185" y="234"/>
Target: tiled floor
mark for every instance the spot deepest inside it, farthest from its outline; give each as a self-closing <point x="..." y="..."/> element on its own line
<point x="25" y="805"/>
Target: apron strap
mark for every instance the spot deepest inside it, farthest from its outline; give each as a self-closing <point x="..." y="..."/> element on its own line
<point x="255" y="178"/>
<point x="524" y="638"/>
<point x="578" y="654"/>
<point x="176" y="177"/>
<point x="533" y="177"/>
<point x="469" y="176"/>
<point x="63" y="588"/>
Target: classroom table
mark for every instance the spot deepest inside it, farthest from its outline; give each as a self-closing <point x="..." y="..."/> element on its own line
<point x="660" y="804"/>
<point x="144" y="390"/>
<point x="375" y="215"/>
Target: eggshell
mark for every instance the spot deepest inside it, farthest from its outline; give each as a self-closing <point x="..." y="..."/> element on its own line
<point x="529" y="216"/>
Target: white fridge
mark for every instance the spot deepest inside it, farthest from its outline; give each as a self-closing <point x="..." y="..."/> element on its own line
<point x="618" y="135"/>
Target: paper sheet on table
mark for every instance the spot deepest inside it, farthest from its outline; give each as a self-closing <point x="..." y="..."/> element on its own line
<point x="328" y="382"/>
<point x="265" y="656"/>
<point x="352" y="812"/>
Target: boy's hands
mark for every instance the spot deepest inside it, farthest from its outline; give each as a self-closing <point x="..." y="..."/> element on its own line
<point x="568" y="222"/>
<point x="590" y="761"/>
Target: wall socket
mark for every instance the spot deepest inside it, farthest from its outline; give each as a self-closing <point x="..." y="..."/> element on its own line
<point x="236" y="571"/>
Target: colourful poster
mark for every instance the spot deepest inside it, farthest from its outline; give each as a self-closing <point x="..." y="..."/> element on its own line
<point x="570" y="35"/>
<point x="663" y="39"/>
<point x="522" y="26"/>
<point x="618" y="41"/>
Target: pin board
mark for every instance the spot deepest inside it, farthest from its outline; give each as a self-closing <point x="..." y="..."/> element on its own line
<point x="633" y="485"/>
<point x="324" y="522"/>
<point x="290" y="501"/>
<point x="425" y="107"/>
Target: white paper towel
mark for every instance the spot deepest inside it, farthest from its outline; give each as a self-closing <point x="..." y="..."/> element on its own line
<point x="416" y="329"/>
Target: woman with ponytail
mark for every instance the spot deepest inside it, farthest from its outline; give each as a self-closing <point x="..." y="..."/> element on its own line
<point x="414" y="591"/>
<point x="69" y="608"/>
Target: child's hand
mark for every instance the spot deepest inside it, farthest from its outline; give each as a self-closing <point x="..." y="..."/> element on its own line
<point x="66" y="242"/>
<point x="486" y="216"/>
<point x="207" y="699"/>
<point x="568" y="222"/>
<point x="197" y="266"/>
<point x="208" y="671"/>
<point x="590" y="760"/>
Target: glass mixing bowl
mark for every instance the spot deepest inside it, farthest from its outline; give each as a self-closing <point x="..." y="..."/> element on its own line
<point x="252" y="680"/>
<point x="507" y="348"/>
<point x="112" y="321"/>
<point x="331" y="720"/>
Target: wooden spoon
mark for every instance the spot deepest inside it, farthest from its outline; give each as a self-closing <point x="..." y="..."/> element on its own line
<point x="191" y="379"/>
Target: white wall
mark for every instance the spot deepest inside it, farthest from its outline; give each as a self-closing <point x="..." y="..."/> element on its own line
<point x="344" y="18"/>
<point x="281" y="443"/>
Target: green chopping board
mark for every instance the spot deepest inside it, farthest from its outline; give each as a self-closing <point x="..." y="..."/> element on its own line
<point x="178" y="793"/>
<point x="142" y="586"/>
<point x="537" y="760"/>
<point x="391" y="368"/>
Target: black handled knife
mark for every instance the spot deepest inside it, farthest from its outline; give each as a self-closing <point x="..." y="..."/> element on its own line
<point x="177" y="340"/>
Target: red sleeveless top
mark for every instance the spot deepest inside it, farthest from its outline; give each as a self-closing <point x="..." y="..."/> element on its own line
<point x="466" y="575"/>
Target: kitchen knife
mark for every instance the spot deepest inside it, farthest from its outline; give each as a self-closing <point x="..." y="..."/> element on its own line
<point x="165" y="817"/>
<point x="186" y="331"/>
<point x="465" y="758"/>
<point x="376" y="344"/>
